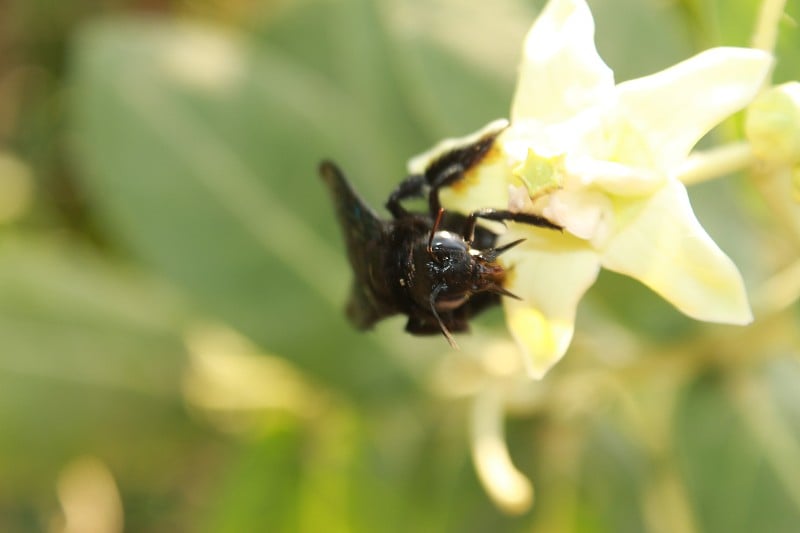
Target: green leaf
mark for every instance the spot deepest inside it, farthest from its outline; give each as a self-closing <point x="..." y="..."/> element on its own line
<point x="91" y="363"/>
<point x="200" y="151"/>
<point x="728" y="472"/>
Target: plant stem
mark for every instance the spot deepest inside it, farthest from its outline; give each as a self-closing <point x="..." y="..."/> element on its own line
<point x="765" y="36"/>
<point x="766" y="33"/>
<point x="716" y="162"/>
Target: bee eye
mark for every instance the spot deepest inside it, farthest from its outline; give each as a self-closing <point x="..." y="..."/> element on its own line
<point x="445" y="242"/>
<point x="439" y="252"/>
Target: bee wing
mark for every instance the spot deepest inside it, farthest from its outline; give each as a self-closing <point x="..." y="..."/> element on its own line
<point x="358" y="221"/>
<point x="364" y="233"/>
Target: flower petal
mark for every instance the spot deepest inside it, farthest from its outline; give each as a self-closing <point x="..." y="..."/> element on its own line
<point x="674" y="108"/>
<point x="551" y="282"/>
<point x="584" y="213"/>
<point x="612" y="177"/>
<point x="662" y="244"/>
<point x="484" y="185"/>
<point x="561" y="72"/>
<point x="504" y="483"/>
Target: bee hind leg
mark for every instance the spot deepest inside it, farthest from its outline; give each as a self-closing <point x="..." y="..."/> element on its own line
<point x="411" y="187"/>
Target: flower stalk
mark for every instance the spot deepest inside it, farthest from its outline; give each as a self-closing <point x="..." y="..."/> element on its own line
<point x="716" y="162"/>
<point x="765" y="36"/>
<point x="507" y="486"/>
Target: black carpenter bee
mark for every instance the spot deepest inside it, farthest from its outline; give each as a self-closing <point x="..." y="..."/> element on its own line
<point x="440" y="269"/>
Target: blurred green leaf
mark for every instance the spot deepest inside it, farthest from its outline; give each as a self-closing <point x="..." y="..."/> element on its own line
<point x="262" y="487"/>
<point x="613" y="480"/>
<point x="91" y="362"/>
<point x="731" y="484"/>
<point x="205" y="164"/>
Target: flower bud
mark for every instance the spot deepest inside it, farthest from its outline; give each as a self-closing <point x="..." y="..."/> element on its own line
<point x="773" y="125"/>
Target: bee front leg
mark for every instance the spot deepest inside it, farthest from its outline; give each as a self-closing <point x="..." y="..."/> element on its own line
<point x="503" y="215"/>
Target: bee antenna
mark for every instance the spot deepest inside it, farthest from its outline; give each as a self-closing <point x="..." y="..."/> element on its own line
<point x="434" y="229"/>
<point x="446" y="332"/>
<point x="494" y="253"/>
<point x="507" y="247"/>
<point x="498" y="289"/>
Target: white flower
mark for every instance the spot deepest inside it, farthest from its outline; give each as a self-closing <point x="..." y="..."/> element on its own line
<point x="601" y="160"/>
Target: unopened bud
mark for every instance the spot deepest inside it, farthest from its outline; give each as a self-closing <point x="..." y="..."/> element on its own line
<point x="773" y="125"/>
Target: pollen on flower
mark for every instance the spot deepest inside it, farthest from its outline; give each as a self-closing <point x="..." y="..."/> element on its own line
<point x="540" y="175"/>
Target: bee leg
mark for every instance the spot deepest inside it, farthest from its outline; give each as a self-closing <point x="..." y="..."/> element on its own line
<point x="502" y="215"/>
<point x="446" y="170"/>
<point x="450" y="167"/>
<point x="414" y="186"/>
<point x="410" y="187"/>
<point x="449" y="175"/>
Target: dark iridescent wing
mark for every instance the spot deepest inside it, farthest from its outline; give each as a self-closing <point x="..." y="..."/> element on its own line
<point x="364" y="234"/>
<point x="359" y="222"/>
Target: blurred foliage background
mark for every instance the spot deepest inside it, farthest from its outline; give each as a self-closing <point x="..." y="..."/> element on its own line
<point x="173" y="352"/>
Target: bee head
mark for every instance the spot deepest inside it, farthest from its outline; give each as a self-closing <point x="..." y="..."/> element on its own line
<point x="457" y="270"/>
<point x="447" y="271"/>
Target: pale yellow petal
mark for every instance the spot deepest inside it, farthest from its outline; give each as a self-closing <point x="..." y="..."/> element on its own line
<point x="551" y="281"/>
<point x="485" y="185"/>
<point x="612" y="177"/>
<point x="561" y="72"/>
<point x="661" y="243"/>
<point x="673" y="109"/>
